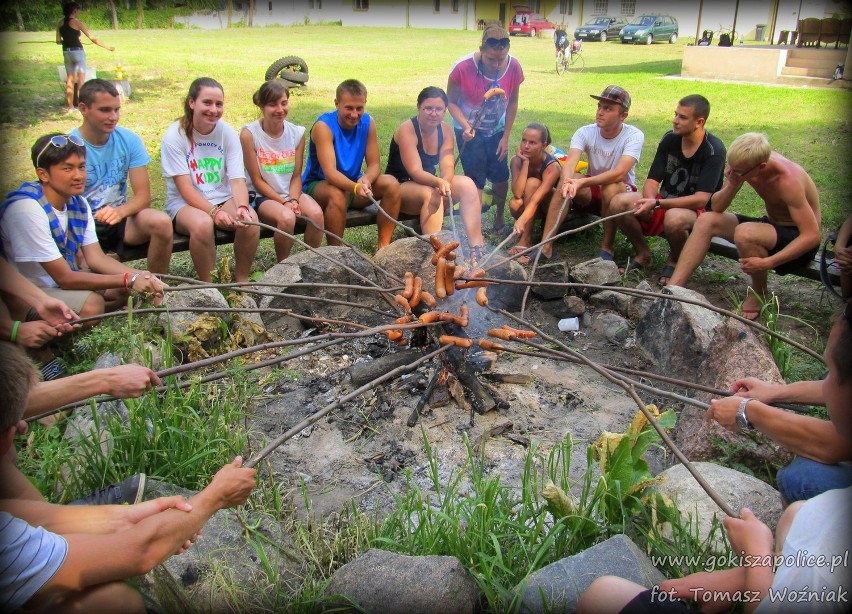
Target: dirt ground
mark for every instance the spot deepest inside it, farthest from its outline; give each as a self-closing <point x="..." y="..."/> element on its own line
<point x="362" y="450"/>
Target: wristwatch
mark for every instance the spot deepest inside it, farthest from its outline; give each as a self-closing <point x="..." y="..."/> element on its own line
<point x="742" y="421"/>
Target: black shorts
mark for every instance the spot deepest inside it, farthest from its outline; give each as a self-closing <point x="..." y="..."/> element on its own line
<point x="111" y="236"/>
<point x="784" y="236"/>
<point x="479" y="159"/>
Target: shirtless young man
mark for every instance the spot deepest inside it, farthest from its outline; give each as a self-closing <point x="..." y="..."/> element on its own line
<point x="785" y="239"/>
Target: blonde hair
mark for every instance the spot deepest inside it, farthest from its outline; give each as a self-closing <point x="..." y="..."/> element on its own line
<point x="749" y="149"/>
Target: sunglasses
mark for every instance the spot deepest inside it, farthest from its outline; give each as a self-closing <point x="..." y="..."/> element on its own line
<point x="497" y="43"/>
<point x="59" y="141"/>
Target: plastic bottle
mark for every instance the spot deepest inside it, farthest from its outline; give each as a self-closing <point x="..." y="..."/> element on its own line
<point x="119" y="71"/>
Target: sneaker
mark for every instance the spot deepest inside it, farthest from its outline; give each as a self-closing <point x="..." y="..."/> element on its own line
<point x="52" y="370"/>
<point x="128" y="492"/>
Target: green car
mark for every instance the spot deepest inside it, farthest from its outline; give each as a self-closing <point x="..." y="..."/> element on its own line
<point x="650" y="28"/>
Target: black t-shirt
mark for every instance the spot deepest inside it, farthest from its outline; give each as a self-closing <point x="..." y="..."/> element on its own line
<point x="681" y="176"/>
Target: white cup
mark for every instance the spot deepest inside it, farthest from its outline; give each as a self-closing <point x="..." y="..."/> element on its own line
<point x="569" y="324"/>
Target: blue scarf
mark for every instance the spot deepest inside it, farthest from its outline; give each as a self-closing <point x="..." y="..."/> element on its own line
<point x="69" y="243"/>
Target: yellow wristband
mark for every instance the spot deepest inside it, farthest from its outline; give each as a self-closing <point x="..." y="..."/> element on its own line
<point x="355" y="189"/>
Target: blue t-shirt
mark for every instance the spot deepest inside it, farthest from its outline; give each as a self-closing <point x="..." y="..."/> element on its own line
<point x="350" y="147"/>
<point x="108" y="165"/>
<point x="29" y="557"/>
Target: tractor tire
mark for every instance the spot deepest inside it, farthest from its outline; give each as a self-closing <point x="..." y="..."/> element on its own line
<point x="291" y="68"/>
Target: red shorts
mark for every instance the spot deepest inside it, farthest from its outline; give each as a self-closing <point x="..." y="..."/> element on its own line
<point x="595" y="203"/>
<point x="654" y="227"/>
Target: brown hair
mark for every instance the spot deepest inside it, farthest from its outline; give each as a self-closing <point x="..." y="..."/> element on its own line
<point x="194" y="91"/>
<point x="17" y="375"/>
<point x="353" y="87"/>
<point x="271" y="91"/>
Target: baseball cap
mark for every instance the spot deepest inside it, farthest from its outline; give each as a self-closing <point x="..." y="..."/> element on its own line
<point x="615" y="94"/>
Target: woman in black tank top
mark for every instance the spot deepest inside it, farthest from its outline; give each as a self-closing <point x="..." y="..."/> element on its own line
<point x="421" y="158"/>
<point x="68" y="35"/>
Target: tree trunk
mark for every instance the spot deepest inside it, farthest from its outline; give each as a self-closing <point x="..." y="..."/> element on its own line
<point x="251" y="13"/>
<point x="18" y="18"/>
<point x="230" y="11"/>
<point x="140" y="13"/>
<point x="112" y="10"/>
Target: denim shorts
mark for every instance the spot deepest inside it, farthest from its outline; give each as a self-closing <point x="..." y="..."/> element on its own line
<point x="75" y="61"/>
<point x="479" y="159"/>
<point x="805" y="478"/>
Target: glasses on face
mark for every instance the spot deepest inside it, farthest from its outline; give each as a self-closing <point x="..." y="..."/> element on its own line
<point x="497" y="43"/>
<point x="433" y="110"/>
<point x="59" y="141"/>
<point x="742" y="174"/>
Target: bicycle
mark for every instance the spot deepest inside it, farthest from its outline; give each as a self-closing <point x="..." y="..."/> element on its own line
<point x="569" y="56"/>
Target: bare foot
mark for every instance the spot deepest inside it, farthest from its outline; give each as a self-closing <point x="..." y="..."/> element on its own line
<point x="751" y="306"/>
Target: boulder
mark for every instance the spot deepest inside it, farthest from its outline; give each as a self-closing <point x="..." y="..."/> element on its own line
<point x="180" y="323"/>
<point x="595" y="272"/>
<point x="383" y="582"/>
<point x="611" y="299"/>
<point x="326" y="265"/>
<point x="411" y="254"/>
<point x="734" y="352"/>
<point x="558" y="586"/>
<point x="676" y="336"/>
<point x="736" y="489"/>
<point x="248" y="327"/>
<point x="555" y="272"/>
<point x="614" y="327"/>
<point x="639" y="304"/>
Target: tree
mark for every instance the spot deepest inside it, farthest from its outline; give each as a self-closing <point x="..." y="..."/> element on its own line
<point x="114" y="13"/>
<point x="140" y="7"/>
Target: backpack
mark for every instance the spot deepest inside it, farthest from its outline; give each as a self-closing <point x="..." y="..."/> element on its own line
<point x="725" y="40"/>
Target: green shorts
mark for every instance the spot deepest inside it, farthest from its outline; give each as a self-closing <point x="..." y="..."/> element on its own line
<point x="309" y="190"/>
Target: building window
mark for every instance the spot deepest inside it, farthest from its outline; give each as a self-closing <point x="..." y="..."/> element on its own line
<point x="601" y="7"/>
<point x="566" y="7"/>
<point x="315" y="4"/>
<point x="455" y="5"/>
<point x="628" y="7"/>
<point x="362" y="5"/>
<point x="437" y="6"/>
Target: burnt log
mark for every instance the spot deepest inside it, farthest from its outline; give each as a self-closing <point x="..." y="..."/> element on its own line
<point x="480" y="399"/>
<point x="364" y="372"/>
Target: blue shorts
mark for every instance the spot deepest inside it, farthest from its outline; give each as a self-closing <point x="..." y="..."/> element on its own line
<point x="805" y="478"/>
<point x="479" y="159"/>
<point x="75" y="61"/>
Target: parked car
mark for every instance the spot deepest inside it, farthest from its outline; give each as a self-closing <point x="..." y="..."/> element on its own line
<point x="600" y="28"/>
<point x="650" y="28"/>
<point x="527" y="22"/>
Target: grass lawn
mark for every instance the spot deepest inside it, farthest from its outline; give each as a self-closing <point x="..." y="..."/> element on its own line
<point x="811" y="126"/>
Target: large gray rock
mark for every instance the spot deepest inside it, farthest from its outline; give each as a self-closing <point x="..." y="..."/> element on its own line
<point x="675" y="335"/>
<point x="383" y="582"/>
<point x="614" y="327"/>
<point x="640" y="304"/>
<point x="736" y="489"/>
<point x="611" y="299"/>
<point x="554" y="272"/>
<point x="735" y="352"/>
<point x="326" y="266"/>
<point x="557" y="587"/>
<point x="180" y="322"/>
<point x="595" y="272"/>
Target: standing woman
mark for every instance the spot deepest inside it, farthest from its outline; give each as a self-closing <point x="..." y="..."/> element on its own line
<point x="534" y="174"/>
<point x="274" y="153"/>
<point x="421" y="146"/>
<point x="484" y="141"/>
<point x="206" y="181"/>
<point x="68" y="35"/>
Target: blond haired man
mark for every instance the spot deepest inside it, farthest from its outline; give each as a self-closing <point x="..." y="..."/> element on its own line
<point x="785" y="239"/>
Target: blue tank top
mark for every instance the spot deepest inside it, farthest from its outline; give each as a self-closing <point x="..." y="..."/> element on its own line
<point x="429" y="162"/>
<point x="350" y="147"/>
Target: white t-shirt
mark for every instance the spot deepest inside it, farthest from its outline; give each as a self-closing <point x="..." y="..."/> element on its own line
<point x="28" y="242"/>
<point x="211" y="163"/>
<point x="604" y="154"/>
<point x="276" y="157"/>
<point x="803" y="583"/>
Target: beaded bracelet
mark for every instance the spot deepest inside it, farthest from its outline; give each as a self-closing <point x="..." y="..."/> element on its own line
<point x="14" y="334"/>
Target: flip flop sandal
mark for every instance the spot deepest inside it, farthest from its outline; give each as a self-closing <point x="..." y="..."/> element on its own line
<point x="632" y="265"/>
<point x="605" y="255"/>
<point x="667" y="272"/>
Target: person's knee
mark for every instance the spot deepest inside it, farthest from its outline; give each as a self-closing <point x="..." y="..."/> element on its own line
<point x="748" y="234"/>
<point x="160" y="226"/>
<point x="200" y="228"/>
<point x="678" y="221"/>
<point x="285" y="220"/>
<point x="621" y="202"/>
<point x="94" y="306"/>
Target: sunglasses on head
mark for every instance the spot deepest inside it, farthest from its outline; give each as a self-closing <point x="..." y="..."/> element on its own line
<point x="59" y="141"/>
<point x="497" y="43"/>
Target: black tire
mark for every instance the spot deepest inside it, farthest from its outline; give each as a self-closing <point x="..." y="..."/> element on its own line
<point x="291" y="68"/>
<point x="673" y="39"/>
<point x="560" y="62"/>
<point x="603" y="37"/>
<point x="532" y="32"/>
<point x="624" y="42"/>
<point x="291" y="85"/>
<point x="650" y="40"/>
